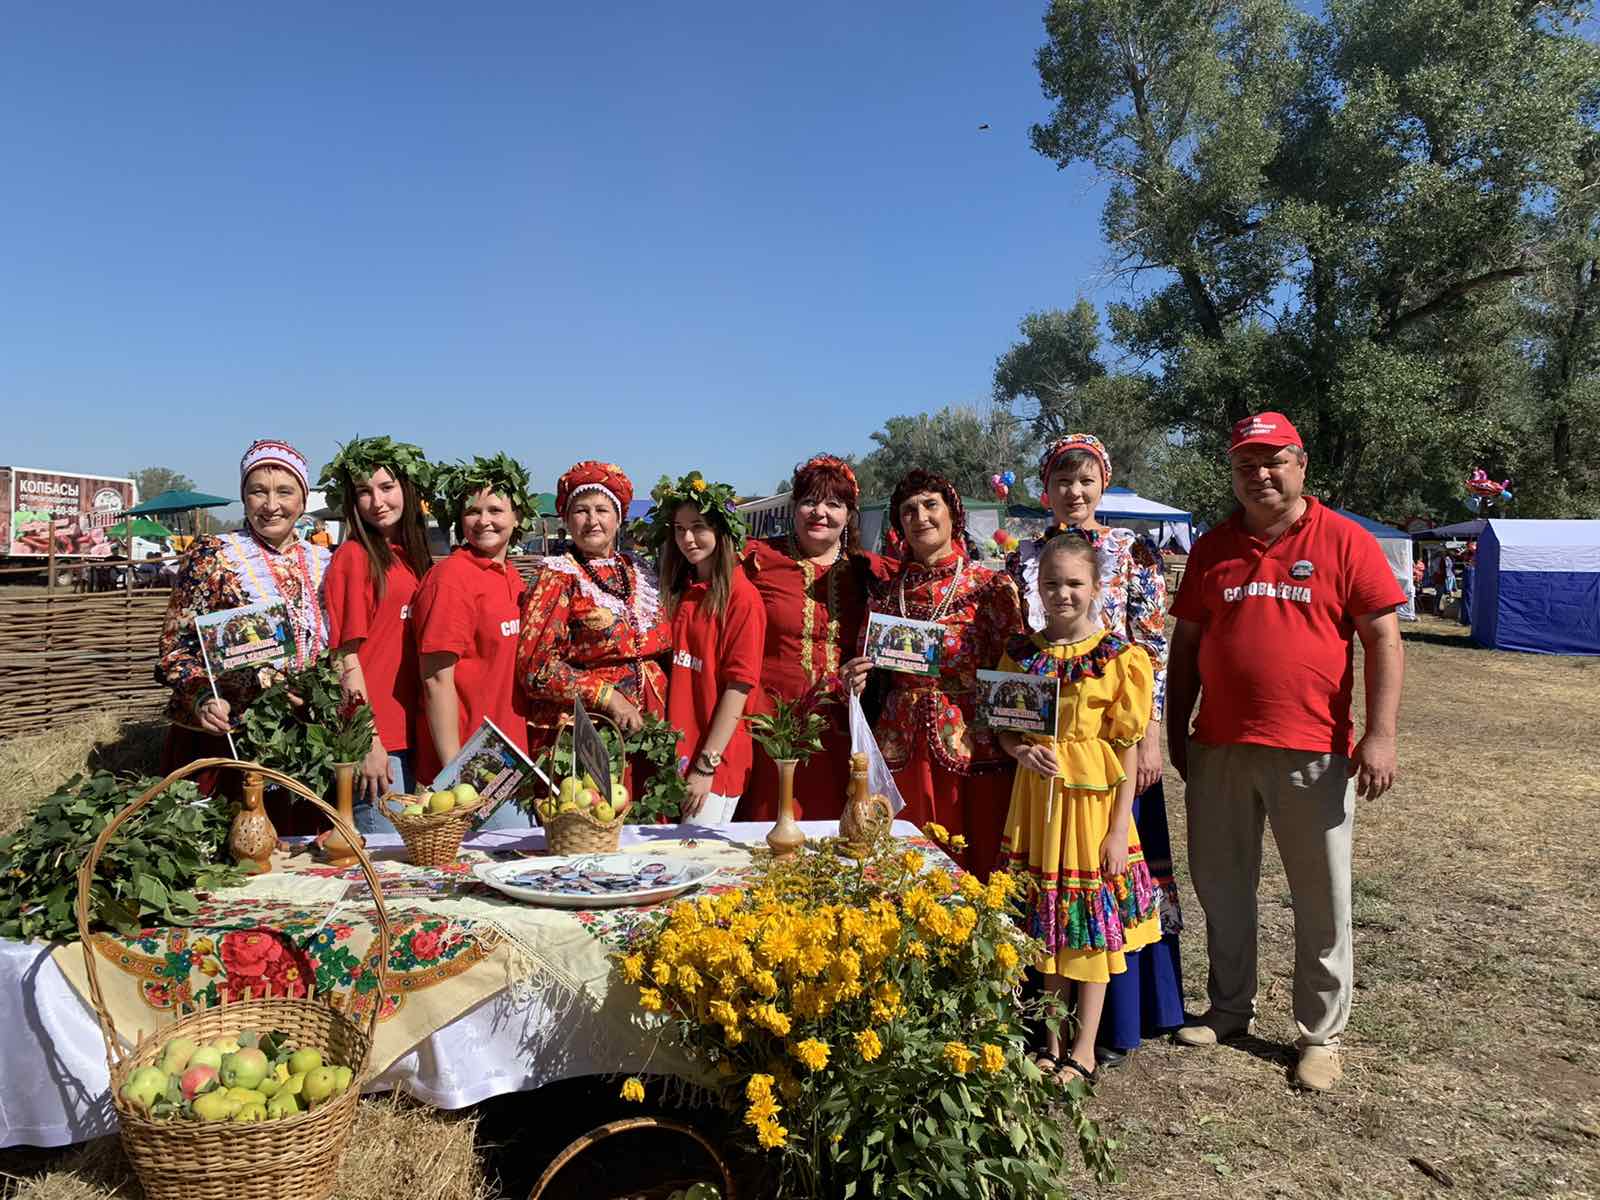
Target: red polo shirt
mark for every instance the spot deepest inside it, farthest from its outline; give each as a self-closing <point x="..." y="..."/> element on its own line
<point x="388" y="650"/>
<point x="471" y="606"/>
<point x="709" y="654"/>
<point x="1277" y="628"/>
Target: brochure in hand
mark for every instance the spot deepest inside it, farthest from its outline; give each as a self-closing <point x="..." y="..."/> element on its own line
<point x="256" y="635"/>
<point x="494" y="765"/>
<point x="1018" y="701"/>
<point x="901" y="644"/>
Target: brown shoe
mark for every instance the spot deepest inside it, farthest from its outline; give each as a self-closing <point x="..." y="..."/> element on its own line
<point x="1214" y="1027"/>
<point x="1319" y="1068"/>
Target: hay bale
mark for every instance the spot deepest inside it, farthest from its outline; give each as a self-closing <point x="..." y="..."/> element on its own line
<point x="397" y="1148"/>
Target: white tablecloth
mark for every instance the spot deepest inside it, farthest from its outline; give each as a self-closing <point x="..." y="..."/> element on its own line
<point x="55" y="1087"/>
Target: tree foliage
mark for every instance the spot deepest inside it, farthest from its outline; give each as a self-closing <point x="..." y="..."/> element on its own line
<point x="964" y="444"/>
<point x="1379" y="220"/>
<point x="152" y="481"/>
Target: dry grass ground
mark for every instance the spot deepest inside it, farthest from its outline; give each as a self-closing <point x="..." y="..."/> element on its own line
<point x="1474" y="1048"/>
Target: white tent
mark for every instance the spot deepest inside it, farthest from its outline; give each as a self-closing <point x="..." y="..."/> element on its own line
<point x="1122" y="506"/>
<point x="1396" y="547"/>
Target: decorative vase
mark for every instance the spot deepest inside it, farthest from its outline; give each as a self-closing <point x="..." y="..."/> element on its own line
<point x="866" y="818"/>
<point x="785" y="836"/>
<point x="252" y="838"/>
<point x="340" y="853"/>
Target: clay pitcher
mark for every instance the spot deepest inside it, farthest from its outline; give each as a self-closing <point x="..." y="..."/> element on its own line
<point x="866" y="818"/>
<point x="252" y="838"/>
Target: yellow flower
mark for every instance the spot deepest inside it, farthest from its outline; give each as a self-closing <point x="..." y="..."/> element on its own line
<point x="633" y="1089"/>
<point x="661" y="973"/>
<point x="940" y="883"/>
<point x="937" y="832"/>
<point x="994" y="1058"/>
<point x="959" y="1057"/>
<point x="758" y="1086"/>
<point x="917" y="949"/>
<point x="765" y="982"/>
<point x="688" y="979"/>
<point x="724" y="1013"/>
<point x="970" y="888"/>
<point x="1005" y="955"/>
<point x="868" y="1045"/>
<point x="813" y="1055"/>
<point x="633" y="968"/>
<point x="650" y="999"/>
<point x="771" y="1135"/>
<point x="204" y="945"/>
<point x="912" y="861"/>
<point x="958" y="842"/>
<point x="768" y="1017"/>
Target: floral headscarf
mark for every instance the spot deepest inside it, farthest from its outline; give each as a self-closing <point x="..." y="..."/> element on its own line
<point x="1061" y="447"/>
<point x="592" y="475"/>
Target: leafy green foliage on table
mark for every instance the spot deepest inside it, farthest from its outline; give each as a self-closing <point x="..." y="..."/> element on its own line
<point x="794" y="728"/>
<point x="297" y="738"/>
<point x="148" y="875"/>
<point x="658" y="794"/>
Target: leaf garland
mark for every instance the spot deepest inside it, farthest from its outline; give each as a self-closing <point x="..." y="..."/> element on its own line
<point x="149" y="874"/>
<point x="360" y="458"/>
<point x="455" y="482"/>
<point x="716" y="501"/>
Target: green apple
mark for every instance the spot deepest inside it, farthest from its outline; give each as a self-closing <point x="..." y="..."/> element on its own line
<point x="567" y="806"/>
<point x="413" y="810"/>
<point x="144" y="1087"/>
<point x="228" y="1043"/>
<point x="244" y="1068"/>
<point x="441" y="802"/>
<point x="282" y="1105"/>
<point x="591" y="798"/>
<point x="175" y="1055"/>
<point x="603" y="813"/>
<point x="569" y="790"/>
<point x="206" y="1056"/>
<point x="465" y="794"/>
<point x="343" y="1077"/>
<point x="619" y="797"/>
<point x="320" y="1084"/>
<point x="215" y="1106"/>
<point x="302" y="1061"/>
<point x="252" y="1112"/>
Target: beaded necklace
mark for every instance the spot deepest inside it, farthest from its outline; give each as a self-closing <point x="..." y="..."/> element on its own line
<point x="945" y="601"/>
<point x="307" y="624"/>
<point x="622" y="592"/>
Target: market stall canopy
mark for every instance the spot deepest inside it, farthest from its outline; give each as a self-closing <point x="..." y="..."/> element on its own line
<point x="1397" y="548"/>
<point x="1536" y="587"/>
<point x="1124" y="506"/>
<point x="545" y="504"/>
<point x="142" y="527"/>
<point x="1461" y="531"/>
<point x="169" y="502"/>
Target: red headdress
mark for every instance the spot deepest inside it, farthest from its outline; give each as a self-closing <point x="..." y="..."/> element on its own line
<point x="826" y="474"/>
<point x="594" y="476"/>
<point x="1085" y="443"/>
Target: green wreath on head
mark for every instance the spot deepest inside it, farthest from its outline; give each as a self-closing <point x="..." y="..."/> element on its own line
<point x="718" y="502"/>
<point x="502" y="474"/>
<point x="360" y="458"/>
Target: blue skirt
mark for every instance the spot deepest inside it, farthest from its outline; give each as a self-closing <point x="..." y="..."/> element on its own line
<point x="1147" y="999"/>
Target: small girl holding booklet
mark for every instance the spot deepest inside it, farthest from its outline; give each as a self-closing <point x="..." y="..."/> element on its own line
<point x="719" y="630"/>
<point x="1069" y="828"/>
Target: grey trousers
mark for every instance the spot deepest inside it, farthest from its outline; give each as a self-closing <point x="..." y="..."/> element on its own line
<point x="1310" y="800"/>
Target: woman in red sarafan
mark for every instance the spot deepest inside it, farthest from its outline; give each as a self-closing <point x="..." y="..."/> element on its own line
<point x="592" y="626"/>
<point x="947" y="767"/>
<point x="813" y="584"/>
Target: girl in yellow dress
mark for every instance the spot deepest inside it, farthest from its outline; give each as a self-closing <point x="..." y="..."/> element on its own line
<point x="1069" y="828"/>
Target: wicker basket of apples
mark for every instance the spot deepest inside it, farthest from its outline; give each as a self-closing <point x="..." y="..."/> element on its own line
<point x="432" y="824"/>
<point x="250" y="1099"/>
<point x="578" y="820"/>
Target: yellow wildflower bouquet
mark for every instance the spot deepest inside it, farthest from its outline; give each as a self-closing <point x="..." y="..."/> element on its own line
<point x="865" y="1019"/>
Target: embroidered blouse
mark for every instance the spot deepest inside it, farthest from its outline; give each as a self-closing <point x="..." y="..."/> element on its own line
<point x="979" y="609"/>
<point x="581" y="638"/>
<point x="1133" y="595"/>
<point x="228" y="571"/>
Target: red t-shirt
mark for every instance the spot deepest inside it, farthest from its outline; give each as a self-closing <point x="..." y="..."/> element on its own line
<point x="471" y="606"/>
<point x="1278" y="623"/>
<point x="388" y="650"/>
<point x="709" y="654"/>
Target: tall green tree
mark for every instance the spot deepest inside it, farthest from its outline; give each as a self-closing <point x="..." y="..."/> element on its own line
<point x="1316" y="207"/>
<point x="152" y="481"/>
<point x="964" y="444"/>
<point x="1054" y="380"/>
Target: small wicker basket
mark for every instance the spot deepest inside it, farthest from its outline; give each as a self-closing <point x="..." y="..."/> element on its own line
<point x="432" y="839"/>
<point x="291" y="1158"/>
<point x="579" y="832"/>
<point x="628" y="1125"/>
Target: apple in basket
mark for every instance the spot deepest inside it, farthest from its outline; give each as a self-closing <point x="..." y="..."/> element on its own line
<point x="441" y="802"/>
<point x="144" y="1087"/>
<point x="197" y="1080"/>
<point x="466" y="795"/>
<point x="245" y="1068"/>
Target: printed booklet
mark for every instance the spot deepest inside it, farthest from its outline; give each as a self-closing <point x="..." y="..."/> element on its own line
<point x="901" y="644"/>
<point x="256" y="635"/>
<point x="494" y="765"/>
<point x="1018" y="701"/>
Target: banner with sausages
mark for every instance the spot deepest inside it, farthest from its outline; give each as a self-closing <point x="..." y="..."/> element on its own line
<point x="74" y="510"/>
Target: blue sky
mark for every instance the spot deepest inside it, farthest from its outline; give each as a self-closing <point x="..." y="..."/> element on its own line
<point x="704" y="235"/>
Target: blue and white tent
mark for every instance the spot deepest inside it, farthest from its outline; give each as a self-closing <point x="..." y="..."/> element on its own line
<point x="1396" y="547"/>
<point x="1536" y="587"/>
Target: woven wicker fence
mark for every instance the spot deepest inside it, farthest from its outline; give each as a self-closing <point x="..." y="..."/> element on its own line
<point x="67" y="653"/>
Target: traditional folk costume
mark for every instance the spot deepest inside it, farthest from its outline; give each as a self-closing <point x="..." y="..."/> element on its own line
<point x="1055" y="828"/>
<point x="231" y="570"/>
<point x="1148" y="999"/>
<point x="591" y="626"/>
<point x="949" y="769"/>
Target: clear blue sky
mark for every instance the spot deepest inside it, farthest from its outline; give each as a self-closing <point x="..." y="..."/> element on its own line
<point x="716" y="235"/>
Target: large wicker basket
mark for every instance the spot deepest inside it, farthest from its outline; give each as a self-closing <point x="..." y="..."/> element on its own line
<point x="291" y="1158"/>
<point x="612" y="1128"/>
<point x="432" y="839"/>
<point x="578" y="832"/>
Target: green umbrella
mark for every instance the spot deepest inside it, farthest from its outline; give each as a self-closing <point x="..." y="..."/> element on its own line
<point x="142" y="527"/>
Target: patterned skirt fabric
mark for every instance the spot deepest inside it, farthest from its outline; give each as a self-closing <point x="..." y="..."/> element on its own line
<point x="1147" y="999"/>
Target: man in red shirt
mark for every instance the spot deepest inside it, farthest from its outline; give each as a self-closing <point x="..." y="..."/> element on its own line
<point x="1271" y="602"/>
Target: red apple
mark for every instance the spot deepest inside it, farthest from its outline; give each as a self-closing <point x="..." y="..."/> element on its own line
<point x="196" y="1080"/>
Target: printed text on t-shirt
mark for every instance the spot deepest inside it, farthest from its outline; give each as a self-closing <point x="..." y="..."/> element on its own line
<point x="511" y="628"/>
<point x="682" y="658"/>
<point x="1270" y="591"/>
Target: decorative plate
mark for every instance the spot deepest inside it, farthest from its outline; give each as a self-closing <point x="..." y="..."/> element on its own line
<point x="594" y="880"/>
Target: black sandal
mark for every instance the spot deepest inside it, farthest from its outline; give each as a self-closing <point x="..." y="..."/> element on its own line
<point x="1071" y="1064"/>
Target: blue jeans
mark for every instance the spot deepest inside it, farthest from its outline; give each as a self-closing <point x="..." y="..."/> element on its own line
<point x="508" y="816"/>
<point x="369" y="817"/>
